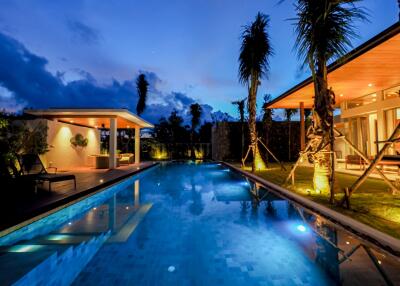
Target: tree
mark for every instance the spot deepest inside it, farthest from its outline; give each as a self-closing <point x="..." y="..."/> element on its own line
<point x="142" y="89"/>
<point x="324" y="31"/>
<point x="195" y="112"/>
<point x="254" y="65"/>
<point x="240" y="106"/>
<point x="289" y="112"/>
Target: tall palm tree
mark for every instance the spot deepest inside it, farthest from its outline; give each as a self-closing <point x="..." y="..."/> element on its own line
<point x="195" y="112"/>
<point x="324" y="31"/>
<point x="289" y="112"/>
<point x="142" y="89"/>
<point x="254" y="65"/>
<point x="240" y="106"/>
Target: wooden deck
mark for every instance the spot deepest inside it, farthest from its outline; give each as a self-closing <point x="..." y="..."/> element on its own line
<point x="88" y="180"/>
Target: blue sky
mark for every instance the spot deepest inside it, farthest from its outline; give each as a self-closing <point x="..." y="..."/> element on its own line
<point x="89" y="52"/>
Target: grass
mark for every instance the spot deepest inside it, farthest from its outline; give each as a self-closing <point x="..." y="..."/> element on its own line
<point x="372" y="204"/>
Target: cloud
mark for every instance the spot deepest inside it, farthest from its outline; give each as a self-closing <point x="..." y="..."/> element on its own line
<point x="83" y="33"/>
<point x="29" y="84"/>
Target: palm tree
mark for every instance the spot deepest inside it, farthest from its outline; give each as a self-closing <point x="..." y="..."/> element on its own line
<point x="195" y="112"/>
<point x="289" y="112"/>
<point x="240" y="106"/>
<point x="254" y="65"/>
<point x="142" y="89"/>
<point x="324" y="31"/>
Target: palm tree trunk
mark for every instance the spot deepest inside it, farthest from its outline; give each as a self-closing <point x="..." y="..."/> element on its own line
<point x="323" y="117"/>
<point x="257" y="162"/>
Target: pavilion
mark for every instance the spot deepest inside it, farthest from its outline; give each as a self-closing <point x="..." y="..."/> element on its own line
<point x="63" y="124"/>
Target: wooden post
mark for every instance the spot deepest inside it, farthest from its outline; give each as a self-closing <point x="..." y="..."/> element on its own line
<point x="377" y="159"/>
<point x="302" y="127"/>
<point x="365" y="158"/>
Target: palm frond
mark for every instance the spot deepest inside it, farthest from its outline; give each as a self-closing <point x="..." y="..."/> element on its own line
<point x="325" y="28"/>
<point x="255" y="49"/>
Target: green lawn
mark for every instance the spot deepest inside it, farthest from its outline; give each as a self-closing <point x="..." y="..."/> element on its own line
<point x="372" y="204"/>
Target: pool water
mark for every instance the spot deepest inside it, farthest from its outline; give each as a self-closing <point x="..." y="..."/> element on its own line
<point x="185" y="224"/>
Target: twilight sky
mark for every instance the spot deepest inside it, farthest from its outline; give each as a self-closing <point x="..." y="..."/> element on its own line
<point x="79" y="53"/>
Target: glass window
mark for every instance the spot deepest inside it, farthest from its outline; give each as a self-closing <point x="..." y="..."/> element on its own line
<point x="392" y="92"/>
<point x="360" y="101"/>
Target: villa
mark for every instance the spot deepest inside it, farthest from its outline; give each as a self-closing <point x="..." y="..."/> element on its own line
<point x="215" y="192"/>
<point x="367" y="86"/>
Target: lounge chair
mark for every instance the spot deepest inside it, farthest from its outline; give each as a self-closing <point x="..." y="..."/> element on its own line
<point x="32" y="166"/>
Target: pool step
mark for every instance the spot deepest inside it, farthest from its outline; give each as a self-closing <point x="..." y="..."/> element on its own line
<point x="63" y="262"/>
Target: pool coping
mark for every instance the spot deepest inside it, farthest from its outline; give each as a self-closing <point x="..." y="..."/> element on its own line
<point x="74" y="198"/>
<point x="365" y="232"/>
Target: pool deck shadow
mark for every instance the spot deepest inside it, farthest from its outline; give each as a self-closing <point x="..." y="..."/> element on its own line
<point x="87" y="181"/>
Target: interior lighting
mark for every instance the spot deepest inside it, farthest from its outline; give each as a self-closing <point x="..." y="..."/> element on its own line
<point x="341" y="95"/>
<point x="370" y="84"/>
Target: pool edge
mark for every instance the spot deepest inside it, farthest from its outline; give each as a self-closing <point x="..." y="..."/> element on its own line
<point x="365" y="232"/>
<point x="74" y="199"/>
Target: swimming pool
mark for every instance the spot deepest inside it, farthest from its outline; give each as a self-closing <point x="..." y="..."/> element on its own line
<point x="188" y="224"/>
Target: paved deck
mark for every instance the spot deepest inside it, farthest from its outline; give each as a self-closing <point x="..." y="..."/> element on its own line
<point x="88" y="180"/>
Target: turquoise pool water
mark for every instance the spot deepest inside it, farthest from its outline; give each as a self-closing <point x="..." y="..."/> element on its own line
<point x="186" y="224"/>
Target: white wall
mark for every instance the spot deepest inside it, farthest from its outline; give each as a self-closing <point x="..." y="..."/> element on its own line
<point x="63" y="154"/>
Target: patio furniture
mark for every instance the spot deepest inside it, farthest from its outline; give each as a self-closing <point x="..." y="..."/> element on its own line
<point x="355" y="160"/>
<point x="103" y="161"/>
<point x="126" y="158"/>
<point x="390" y="160"/>
<point x="32" y="166"/>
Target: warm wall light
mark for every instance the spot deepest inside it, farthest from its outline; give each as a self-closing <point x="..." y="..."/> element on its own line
<point x="374" y="95"/>
<point x="374" y="99"/>
<point x="341" y="95"/>
<point x="370" y="84"/>
<point x="71" y="121"/>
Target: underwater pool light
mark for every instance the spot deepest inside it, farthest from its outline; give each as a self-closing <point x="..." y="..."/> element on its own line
<point x="24" y="248"/>
<point x="171" y="268"/>
<point x="301" y="228"/>
<point x="57" y="237"/>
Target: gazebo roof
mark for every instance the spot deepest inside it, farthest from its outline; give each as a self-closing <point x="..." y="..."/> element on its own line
<point x="92" y="117"/>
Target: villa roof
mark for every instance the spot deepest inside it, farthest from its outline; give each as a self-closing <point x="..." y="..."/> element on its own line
<point x="92" y="117"/>
<point x="373" y="66"/>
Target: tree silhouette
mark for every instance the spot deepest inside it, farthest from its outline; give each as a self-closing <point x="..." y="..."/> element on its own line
<point x="142" y="89"/>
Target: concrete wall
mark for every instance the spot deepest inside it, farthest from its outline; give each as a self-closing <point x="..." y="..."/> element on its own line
<point x="63" y="154"/>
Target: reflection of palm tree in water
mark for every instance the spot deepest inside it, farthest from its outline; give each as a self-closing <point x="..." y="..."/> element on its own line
<point x="197" y="207"/>
<point x="270" y="209"/>
<point x="327" y="255"/>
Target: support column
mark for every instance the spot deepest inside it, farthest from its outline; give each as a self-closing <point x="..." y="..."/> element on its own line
<point x="137" y="145"/>
<point x="113" y="144"/>
<point x="302" y="127"/>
